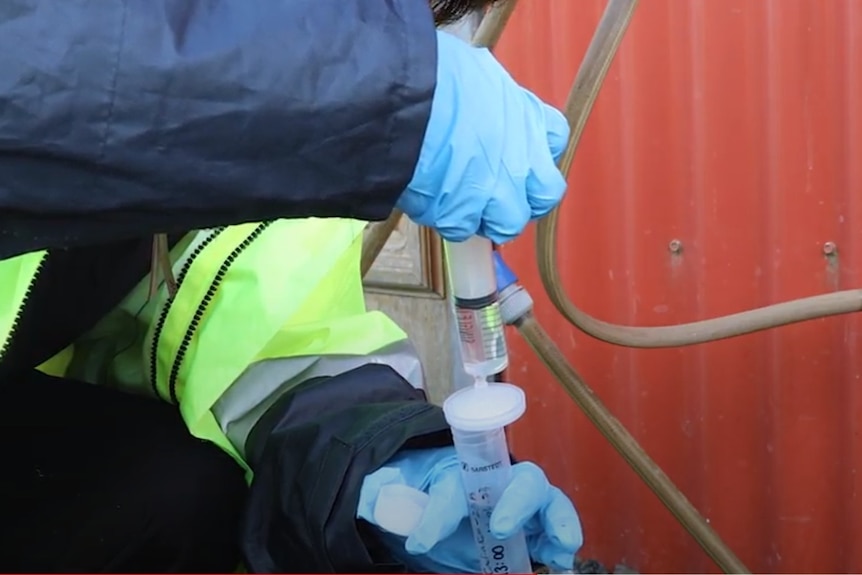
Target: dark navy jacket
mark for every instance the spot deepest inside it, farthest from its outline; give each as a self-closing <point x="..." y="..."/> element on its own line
<point x="127" y="117"/>
<point x="122" y="118"/>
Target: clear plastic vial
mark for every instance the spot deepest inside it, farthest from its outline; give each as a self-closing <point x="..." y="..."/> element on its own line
<point x="474" y="289"/>
<point x="477" y="416"/>
<point x="486" y="471"/>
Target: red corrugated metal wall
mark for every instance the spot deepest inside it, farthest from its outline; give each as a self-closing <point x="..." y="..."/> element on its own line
<point x="735" y="127"/>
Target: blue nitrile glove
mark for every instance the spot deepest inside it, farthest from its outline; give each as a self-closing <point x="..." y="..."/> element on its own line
<point x="442" y="542"/>
<point x="487" y="163"/>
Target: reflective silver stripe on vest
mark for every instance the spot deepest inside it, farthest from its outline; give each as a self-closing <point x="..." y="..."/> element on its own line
<point x="260" y="385"/>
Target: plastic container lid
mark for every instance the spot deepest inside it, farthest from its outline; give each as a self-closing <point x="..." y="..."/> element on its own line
<point x="484" y="407"/>
<point x="398" y="508"/>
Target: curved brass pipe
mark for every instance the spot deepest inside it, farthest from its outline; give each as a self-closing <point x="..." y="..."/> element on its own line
<point x="628" y="447"/>
<point x="578" y="108"/>
<point x="600" y="53"/>
<point x="376" y="236"/>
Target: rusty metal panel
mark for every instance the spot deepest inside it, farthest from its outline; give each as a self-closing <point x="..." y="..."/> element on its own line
<point x="735" y="128"/>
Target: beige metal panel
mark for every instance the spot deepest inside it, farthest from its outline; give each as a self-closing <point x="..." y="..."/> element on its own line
<point x="406" y="282"/>
<point x="426" y="321"/>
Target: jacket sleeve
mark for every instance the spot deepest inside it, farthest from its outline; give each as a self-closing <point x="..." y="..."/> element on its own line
<point x="122" y="118"/>
<point x="310" y="453"/>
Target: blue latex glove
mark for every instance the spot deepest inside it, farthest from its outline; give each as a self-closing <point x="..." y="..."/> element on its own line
<point x="487" y="164"/>
<point x="443" y="540"/>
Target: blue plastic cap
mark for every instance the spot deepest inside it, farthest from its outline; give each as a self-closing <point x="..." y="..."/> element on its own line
<point x="505" y="275"/>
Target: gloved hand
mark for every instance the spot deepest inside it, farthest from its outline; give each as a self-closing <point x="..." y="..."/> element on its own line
<point x="487" y="164"/>
<point x="442" y="542"/>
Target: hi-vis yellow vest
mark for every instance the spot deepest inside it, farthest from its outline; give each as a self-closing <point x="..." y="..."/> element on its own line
<point x="259" y="309"/>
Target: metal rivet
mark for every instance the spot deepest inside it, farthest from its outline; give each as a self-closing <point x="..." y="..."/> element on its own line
<point x="675" y="246"/>
<point x="829" y="249"/>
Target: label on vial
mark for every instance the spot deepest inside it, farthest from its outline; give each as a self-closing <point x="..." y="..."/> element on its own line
<point x="481" y="332"/>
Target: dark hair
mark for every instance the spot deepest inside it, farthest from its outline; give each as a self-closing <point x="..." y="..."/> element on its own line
<point x="448" y="11"/>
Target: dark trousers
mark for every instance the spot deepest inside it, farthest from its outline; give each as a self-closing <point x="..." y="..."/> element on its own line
<point x="94" y="480"/>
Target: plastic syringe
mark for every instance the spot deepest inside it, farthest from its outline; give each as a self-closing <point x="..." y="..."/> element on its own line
<point x="474" y="289"/>
<point x="478" y="416"/>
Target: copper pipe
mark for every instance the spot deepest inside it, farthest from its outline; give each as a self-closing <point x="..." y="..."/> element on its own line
<point x="493" y="23"/>
<point x="376" y="236"/>
<point x="578" y="108"/>
<point x="628" y="447"/>
<point x="161" y="268"/>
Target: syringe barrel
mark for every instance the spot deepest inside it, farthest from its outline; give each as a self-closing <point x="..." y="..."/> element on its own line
<point x="486" y="471"/>
<point x="474" y="289"/>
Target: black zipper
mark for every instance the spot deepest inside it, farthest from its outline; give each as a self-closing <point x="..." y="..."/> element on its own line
<point x="163" y="316"/>
<point x="204" y="304"/>
<point x="16" y="320"/>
